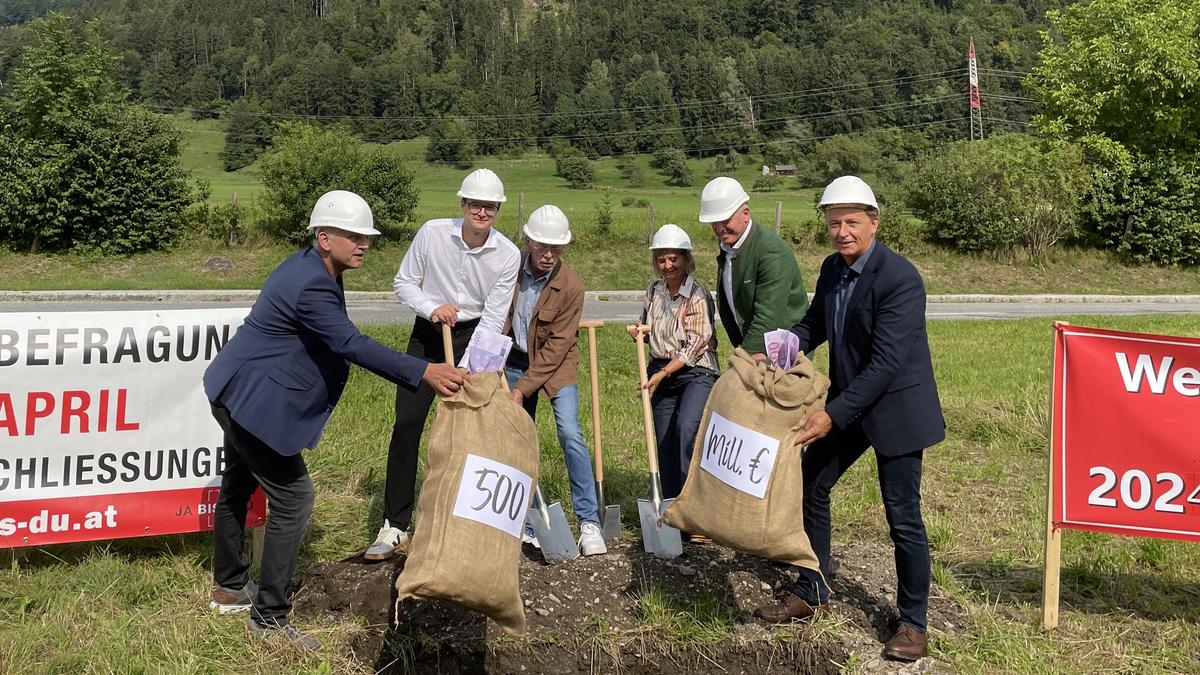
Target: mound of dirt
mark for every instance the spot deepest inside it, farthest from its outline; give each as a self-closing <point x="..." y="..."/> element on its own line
<point x="621" y="613"/>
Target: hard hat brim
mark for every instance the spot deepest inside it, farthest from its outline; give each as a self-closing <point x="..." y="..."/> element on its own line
<point x="495" y="200"/>
<point x="718" y="216"/>
<point x="546" y="240"/>
<point x="369" y="231"/>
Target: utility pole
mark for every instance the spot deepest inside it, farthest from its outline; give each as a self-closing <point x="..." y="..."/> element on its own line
<point x="973" y="93"/>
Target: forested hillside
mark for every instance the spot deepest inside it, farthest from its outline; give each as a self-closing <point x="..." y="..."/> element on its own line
<point x="607" y="76"/>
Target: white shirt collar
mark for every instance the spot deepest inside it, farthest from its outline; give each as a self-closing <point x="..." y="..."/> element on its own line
<point x="457" y="231"/>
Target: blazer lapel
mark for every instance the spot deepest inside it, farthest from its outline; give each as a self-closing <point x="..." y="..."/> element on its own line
<point x="867" y="279"/>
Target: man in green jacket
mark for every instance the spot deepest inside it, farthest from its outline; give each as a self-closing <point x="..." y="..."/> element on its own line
<point x="759" y="287"/>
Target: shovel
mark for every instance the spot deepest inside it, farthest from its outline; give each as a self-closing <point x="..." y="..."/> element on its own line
<point x="549" y="523"/>
<point x="657" y="537"/>
<point x="610" y="515"/>
<point x="550" y="526"/>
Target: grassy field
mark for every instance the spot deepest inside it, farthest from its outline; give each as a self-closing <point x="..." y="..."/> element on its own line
<point x="1128" y="605"/>
<point x="617" y="260"/>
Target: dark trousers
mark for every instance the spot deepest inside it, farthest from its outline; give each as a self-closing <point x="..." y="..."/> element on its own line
<point x="900" y="485"/>
<point x="412" y="407"/>
<point x="249" y="463"/>
<point x="678" y="405"/>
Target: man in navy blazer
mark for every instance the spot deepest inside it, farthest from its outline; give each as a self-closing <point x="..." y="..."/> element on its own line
<point x="272" y="389"/>
<point x="869" y="305"/>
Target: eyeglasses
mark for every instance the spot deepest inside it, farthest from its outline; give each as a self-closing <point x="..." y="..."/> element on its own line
<point x="475" y="208"/>
<point x="544" y="249"/>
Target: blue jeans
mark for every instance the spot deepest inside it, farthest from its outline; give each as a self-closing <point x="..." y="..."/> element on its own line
<point x="570" y="437"/>
<point x="678" y="405"/>
<point x="900" y="485"/>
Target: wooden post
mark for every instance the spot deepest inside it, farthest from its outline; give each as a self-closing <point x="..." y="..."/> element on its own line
<point x="520" y="216"/>
<point x="650" y="227"/>
<point x="1053" y="556"/>
<point x="233" y="225"/>
<point x="778" y="216"/>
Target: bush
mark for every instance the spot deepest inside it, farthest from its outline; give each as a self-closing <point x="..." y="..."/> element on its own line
<point x="1006" y="192"/>
<point x="308" y="161"/>
<point x="577" y="170"/>
<point x="723" y="165"/>
<point x="627" y="201"/>
<point x="766" y="183"/>
<point x="642" y="203"/>
<point x="1149" y="210"/>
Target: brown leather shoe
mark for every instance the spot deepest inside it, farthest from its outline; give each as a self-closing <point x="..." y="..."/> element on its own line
<point x="908" y="644"/>
<point x="792" y="607"/>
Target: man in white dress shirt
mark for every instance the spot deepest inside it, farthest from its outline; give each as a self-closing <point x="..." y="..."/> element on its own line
<point x="461" y="272"/>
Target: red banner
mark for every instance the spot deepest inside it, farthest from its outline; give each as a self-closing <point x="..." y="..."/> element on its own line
<point x="1124" y="430"/>
<point x="57" y="521"/>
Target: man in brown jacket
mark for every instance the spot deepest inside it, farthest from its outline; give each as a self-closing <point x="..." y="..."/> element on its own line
<point x="544" y="324"/>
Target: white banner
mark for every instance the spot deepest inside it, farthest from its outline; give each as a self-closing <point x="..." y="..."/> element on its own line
<point x="99" y="405"/>
<point x="493" y="493"/>
<point x="741" y="458"/>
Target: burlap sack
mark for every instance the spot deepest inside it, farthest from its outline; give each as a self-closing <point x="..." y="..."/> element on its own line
<point x="456" y="558"/>
<point x="754" y="399"/>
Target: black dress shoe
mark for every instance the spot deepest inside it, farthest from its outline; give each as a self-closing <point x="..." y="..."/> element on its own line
<point x="793" y="607"/>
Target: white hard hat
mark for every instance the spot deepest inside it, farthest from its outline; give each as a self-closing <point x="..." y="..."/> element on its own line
<point x="671" y="236"/>
<point x="343" y="210"/>
<point x="848" y="191"/>
<point x="548" y="225"/>
<point x="484" y="185"/>
<point x="720" y="199"/>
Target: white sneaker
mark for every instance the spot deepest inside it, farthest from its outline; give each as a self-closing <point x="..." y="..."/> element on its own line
<point x="387" y="542"/>
<point x="527" y="538"/>
<point x="591" y="542"/>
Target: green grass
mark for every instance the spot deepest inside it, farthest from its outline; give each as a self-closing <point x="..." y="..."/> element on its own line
<point x="1128" y="604"/>
<point x="617" y="260"/>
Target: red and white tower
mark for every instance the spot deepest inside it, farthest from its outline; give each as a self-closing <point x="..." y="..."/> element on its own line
<point x="973" y="96"/>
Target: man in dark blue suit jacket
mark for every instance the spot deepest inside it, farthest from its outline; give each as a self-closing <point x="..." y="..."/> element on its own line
<point x="869" y="305"/>
<point x="272" y="389"/>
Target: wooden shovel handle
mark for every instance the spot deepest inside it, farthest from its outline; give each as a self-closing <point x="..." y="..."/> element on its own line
<point x="591" y="327"/>
<point x="647" y="417"/>
<point x="447" y="344"/>
<point x="591" y="323"/>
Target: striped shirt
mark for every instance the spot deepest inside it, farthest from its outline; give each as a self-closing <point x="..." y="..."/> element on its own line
<point x="682" y="326"/>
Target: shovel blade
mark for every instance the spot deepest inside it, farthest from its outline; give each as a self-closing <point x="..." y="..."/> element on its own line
<point x="610" y="522"/>
<point x="557" y="542"/>
<point x="657" y="537"/>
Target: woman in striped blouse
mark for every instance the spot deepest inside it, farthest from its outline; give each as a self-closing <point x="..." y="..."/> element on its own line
<point x="683" y="352"/>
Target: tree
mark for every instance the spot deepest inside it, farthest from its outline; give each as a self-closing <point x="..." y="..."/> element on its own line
<point x="308" y="161"/>
<point x="80" y="167"/>
<point x="673" y="164"/>
<point x="248" y="133"/>
<point x="451" y="142"/>
<point x="1124" y="70"/>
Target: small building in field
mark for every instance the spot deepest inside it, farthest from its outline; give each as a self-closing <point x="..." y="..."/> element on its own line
<point x="785" y="169"/>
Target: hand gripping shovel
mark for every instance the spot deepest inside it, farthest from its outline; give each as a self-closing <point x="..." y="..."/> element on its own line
<point x="610" y="515"/>
<point x="657" y="537"/>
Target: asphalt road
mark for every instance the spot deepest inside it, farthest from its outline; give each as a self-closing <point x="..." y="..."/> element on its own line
<point x="618" y="311"/>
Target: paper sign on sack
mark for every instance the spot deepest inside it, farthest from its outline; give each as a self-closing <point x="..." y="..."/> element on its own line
<point x="493" y="493"/>
<point x="487" y="351"/>
<point x="741" y="458"/>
